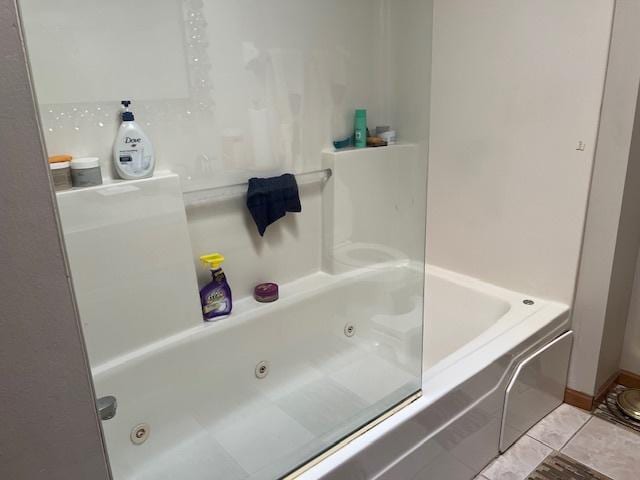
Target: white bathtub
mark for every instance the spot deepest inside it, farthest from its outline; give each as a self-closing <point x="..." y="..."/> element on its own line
<point x="211" y="418"/>
<point x="475" y="336"/>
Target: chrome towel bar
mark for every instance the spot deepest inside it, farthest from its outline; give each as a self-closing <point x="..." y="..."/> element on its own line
<point x="212" y="194"/>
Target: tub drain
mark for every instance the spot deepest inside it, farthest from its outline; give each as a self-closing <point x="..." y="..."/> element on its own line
<point x="349" y="330"/>
<point x="262" y="369"/>
<point x="140" y="433"/>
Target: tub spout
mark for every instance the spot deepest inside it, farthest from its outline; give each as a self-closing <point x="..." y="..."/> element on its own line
<point x="107" y="407"/>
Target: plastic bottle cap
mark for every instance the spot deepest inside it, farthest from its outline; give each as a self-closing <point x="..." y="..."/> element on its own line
<point x="58" y="165"/>
<point x="60" y="158"/>
<point x="214" y="260"/>
<point x="87" y="162"/>
<point x="361" y="113"/>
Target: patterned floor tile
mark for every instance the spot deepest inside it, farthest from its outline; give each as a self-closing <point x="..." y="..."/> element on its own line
<point x="519" y="461"/>
<point x="559" y="426"/>
<point x="607" y="448"/>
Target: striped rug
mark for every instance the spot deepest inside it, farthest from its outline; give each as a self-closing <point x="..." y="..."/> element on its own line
<point x="608" y="410"/>
<point x="560" y="467"/>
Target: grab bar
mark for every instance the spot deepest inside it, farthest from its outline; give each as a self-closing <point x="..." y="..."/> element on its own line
<point x="203" y="195"/>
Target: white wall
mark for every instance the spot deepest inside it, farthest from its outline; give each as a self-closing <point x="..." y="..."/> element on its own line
<point x="515" y="87"/>
<point x="613" y="220"/>
<point x="406" y="28"/>
<point x="290" y="249"/>
<point x="274" y="83"/>
<point x="130" y="258"/>
<point x="270" y="83"/>
<point x="300" y="68"/>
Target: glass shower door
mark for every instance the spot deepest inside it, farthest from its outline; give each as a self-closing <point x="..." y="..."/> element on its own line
<point x="227" y="91"/>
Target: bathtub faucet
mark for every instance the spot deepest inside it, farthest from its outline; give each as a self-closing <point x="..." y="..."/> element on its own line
<point x="107" y="407"/>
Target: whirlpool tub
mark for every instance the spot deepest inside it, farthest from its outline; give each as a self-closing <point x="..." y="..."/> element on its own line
<point x="495" y="362"/>
<point x="217" y="403"/>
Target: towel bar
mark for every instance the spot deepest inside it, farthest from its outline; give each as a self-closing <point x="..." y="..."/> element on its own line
<point x="205" y="195"/>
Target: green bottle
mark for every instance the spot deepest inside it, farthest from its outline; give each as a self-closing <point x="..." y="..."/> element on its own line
<point x="360" y="137"/>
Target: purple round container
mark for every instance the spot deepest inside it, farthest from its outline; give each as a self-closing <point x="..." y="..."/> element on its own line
<point x="266" y="292"/>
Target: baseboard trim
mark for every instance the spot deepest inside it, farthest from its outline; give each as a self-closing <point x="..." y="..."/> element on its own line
<point x="629" y="379"/>
<point x="578" y="399"/>
<point x="588" y="402"/>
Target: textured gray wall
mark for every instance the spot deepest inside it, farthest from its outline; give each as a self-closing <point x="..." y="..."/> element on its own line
<point x="48" y="424"/>
<point x="611" y="234"/>
<point x="626" y="253"/>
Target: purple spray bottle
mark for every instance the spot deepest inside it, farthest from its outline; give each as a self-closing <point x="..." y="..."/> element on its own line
<point x="215" y="296"/>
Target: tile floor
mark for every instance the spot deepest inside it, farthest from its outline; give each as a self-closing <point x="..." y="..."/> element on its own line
<point x="609" y="449"/>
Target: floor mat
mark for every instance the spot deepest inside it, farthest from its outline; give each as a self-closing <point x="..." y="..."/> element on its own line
<point x="561" y="467"/>
<point x="608" y="410"/>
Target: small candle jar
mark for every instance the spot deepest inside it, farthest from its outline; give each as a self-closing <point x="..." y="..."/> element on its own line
<point x="266" y="292"/>
<point x="85" y="172"/>
<point x="61" y="175"/>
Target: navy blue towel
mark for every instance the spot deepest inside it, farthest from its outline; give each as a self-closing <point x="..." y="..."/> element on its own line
<point x="269" y="199"/>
